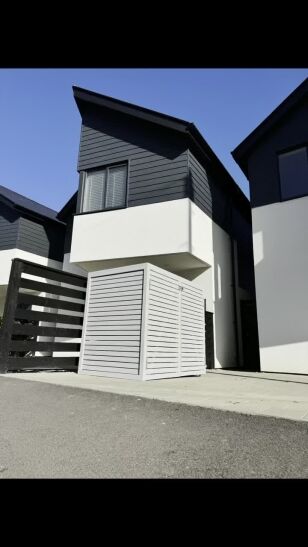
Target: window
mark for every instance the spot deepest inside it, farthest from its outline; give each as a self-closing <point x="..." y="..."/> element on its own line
<point x="104" y="189"/>
<point x="293" y="170"/>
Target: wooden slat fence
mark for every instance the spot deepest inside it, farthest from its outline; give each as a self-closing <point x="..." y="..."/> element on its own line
<point x="63" y="293"/>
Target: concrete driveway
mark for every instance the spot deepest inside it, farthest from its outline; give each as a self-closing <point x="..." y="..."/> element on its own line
<point x="264" y="394"/>
<point x="52" y="431"/>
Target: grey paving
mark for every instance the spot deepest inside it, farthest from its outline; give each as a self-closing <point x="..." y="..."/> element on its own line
<point x="264" y="394"/>
<point x="50" y="431"/>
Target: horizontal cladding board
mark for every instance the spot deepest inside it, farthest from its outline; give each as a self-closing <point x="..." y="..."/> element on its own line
<point x="117" y="329"/>
<point x="29" y="345"/>
<point x="157" y="292"/>
<point x="158" y="180"/>
<point x="45" y="363"/>
<point x="193" y="305"/>
<point x="93" y="162"/>
<point x="69" y="279"/>
<point x="109" y="297"/>
<point x="104" y="314"/>
<point x="171" y="187"/>
<point x="156" y="165"/>
<point x="159" y="304"/>
<point x="108" y="371"/>
<point x="51" y="288"/>
<point x="118" y="148"/>
<point x="160" y="289"/>
<point x="128" y="345"/>
<point x="155" y="311"/>
<point x="114" y="322"/>
<point x="171" y="327"/>
<point x="164" y="280"/>
<point x="29" y="299"/>
<point x="32" y="330"/>
<point x="149" y="200"/>
<point x="112" y="357"/>
<point x="123" y="337"/>
<point x="193" y="319"/>
<point x="104" y="309"/>
<point x="159" y="328"/>
<point x="111" y="289"/>
<point x="30" y="315"/>
<point x="111" y="282"/>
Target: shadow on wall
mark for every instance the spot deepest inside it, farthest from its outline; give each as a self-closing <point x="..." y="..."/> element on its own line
<point x="224" y="319"/>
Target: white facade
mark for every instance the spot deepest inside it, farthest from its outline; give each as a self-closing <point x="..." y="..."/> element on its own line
<point x="281" y="271"/>
<point x="144" y="323"/>
<point x="176" y="236"/>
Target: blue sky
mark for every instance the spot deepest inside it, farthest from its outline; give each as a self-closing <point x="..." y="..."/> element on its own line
<point x="40" y="122"/>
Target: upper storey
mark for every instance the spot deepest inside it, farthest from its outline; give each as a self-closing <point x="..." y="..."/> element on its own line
<point x="132" y="156"/>
<point x="274" y="157"/>
<point x="138" y="171"/>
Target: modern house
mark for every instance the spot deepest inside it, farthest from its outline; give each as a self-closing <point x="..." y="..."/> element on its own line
<point x="30" y="231"/>
<point x="163" y="233"/>
<point x="274" y="158"/>
<point x="152" y="191"/>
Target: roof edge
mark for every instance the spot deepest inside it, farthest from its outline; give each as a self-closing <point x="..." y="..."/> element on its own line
<point x="241" y="152"/>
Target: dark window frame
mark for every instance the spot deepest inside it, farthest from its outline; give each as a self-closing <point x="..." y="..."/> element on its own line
<point x="279" y="153"/>
<point x="84" y="174"/>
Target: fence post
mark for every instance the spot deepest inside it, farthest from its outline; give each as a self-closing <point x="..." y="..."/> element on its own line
<point x="9" y="313"/>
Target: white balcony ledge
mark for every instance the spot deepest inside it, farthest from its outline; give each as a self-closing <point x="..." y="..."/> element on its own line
<point x="173" y="234"/>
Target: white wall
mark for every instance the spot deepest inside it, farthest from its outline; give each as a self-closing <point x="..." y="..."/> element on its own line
<point x="281" y="269"/>
<point x="175" y="227"/>
<point x="175" y="235"/>
<point x="216" y="282"/>
<point x="7" y="256"/>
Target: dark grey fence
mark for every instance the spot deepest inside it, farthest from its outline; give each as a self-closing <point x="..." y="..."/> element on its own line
<point x="22" y="325"/>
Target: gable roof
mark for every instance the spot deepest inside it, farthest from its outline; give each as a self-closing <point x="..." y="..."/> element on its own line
<point x="244" y="149"/>
<point x="22" y="203"/>
<point x="83" y="96"/>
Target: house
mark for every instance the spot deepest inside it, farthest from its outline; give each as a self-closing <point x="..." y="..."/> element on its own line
<point x="151" y="190"/>
<point x="274" y="158"/>
<point x="30" y="231"/>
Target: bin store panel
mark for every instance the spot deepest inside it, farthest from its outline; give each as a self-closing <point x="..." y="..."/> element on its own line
<point x="142" y="322"/>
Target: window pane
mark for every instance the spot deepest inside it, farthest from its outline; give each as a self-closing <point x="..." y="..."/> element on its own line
<point x="293" y="168"/>
<point x="116" y="186"/>
<point x="94" y="191"/>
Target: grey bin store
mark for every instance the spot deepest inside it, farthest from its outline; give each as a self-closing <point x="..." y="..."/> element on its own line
<point x="142" y="322"/>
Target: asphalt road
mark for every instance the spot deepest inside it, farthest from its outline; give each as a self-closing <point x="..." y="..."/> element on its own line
<point x="48" y="431"/>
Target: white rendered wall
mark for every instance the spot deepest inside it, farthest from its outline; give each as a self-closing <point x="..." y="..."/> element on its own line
<point x="7" y="256"/>
<point x="216" y="283"/>
<point x="185" y="236"/>
<point x="175" y="227"/>
<point x="281" y="270"/>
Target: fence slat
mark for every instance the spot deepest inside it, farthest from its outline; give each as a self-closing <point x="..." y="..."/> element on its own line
<point x="16" y="337"/>
<point x="35" y="363"/>
<point x="31" y="299"/>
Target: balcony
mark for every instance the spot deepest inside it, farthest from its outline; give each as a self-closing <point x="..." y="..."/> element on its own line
<point x="175" y="235"/>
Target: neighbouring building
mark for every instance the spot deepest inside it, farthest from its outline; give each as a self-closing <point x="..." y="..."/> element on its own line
<point x="30" y="231"/>
<point x="274" y="158"/>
